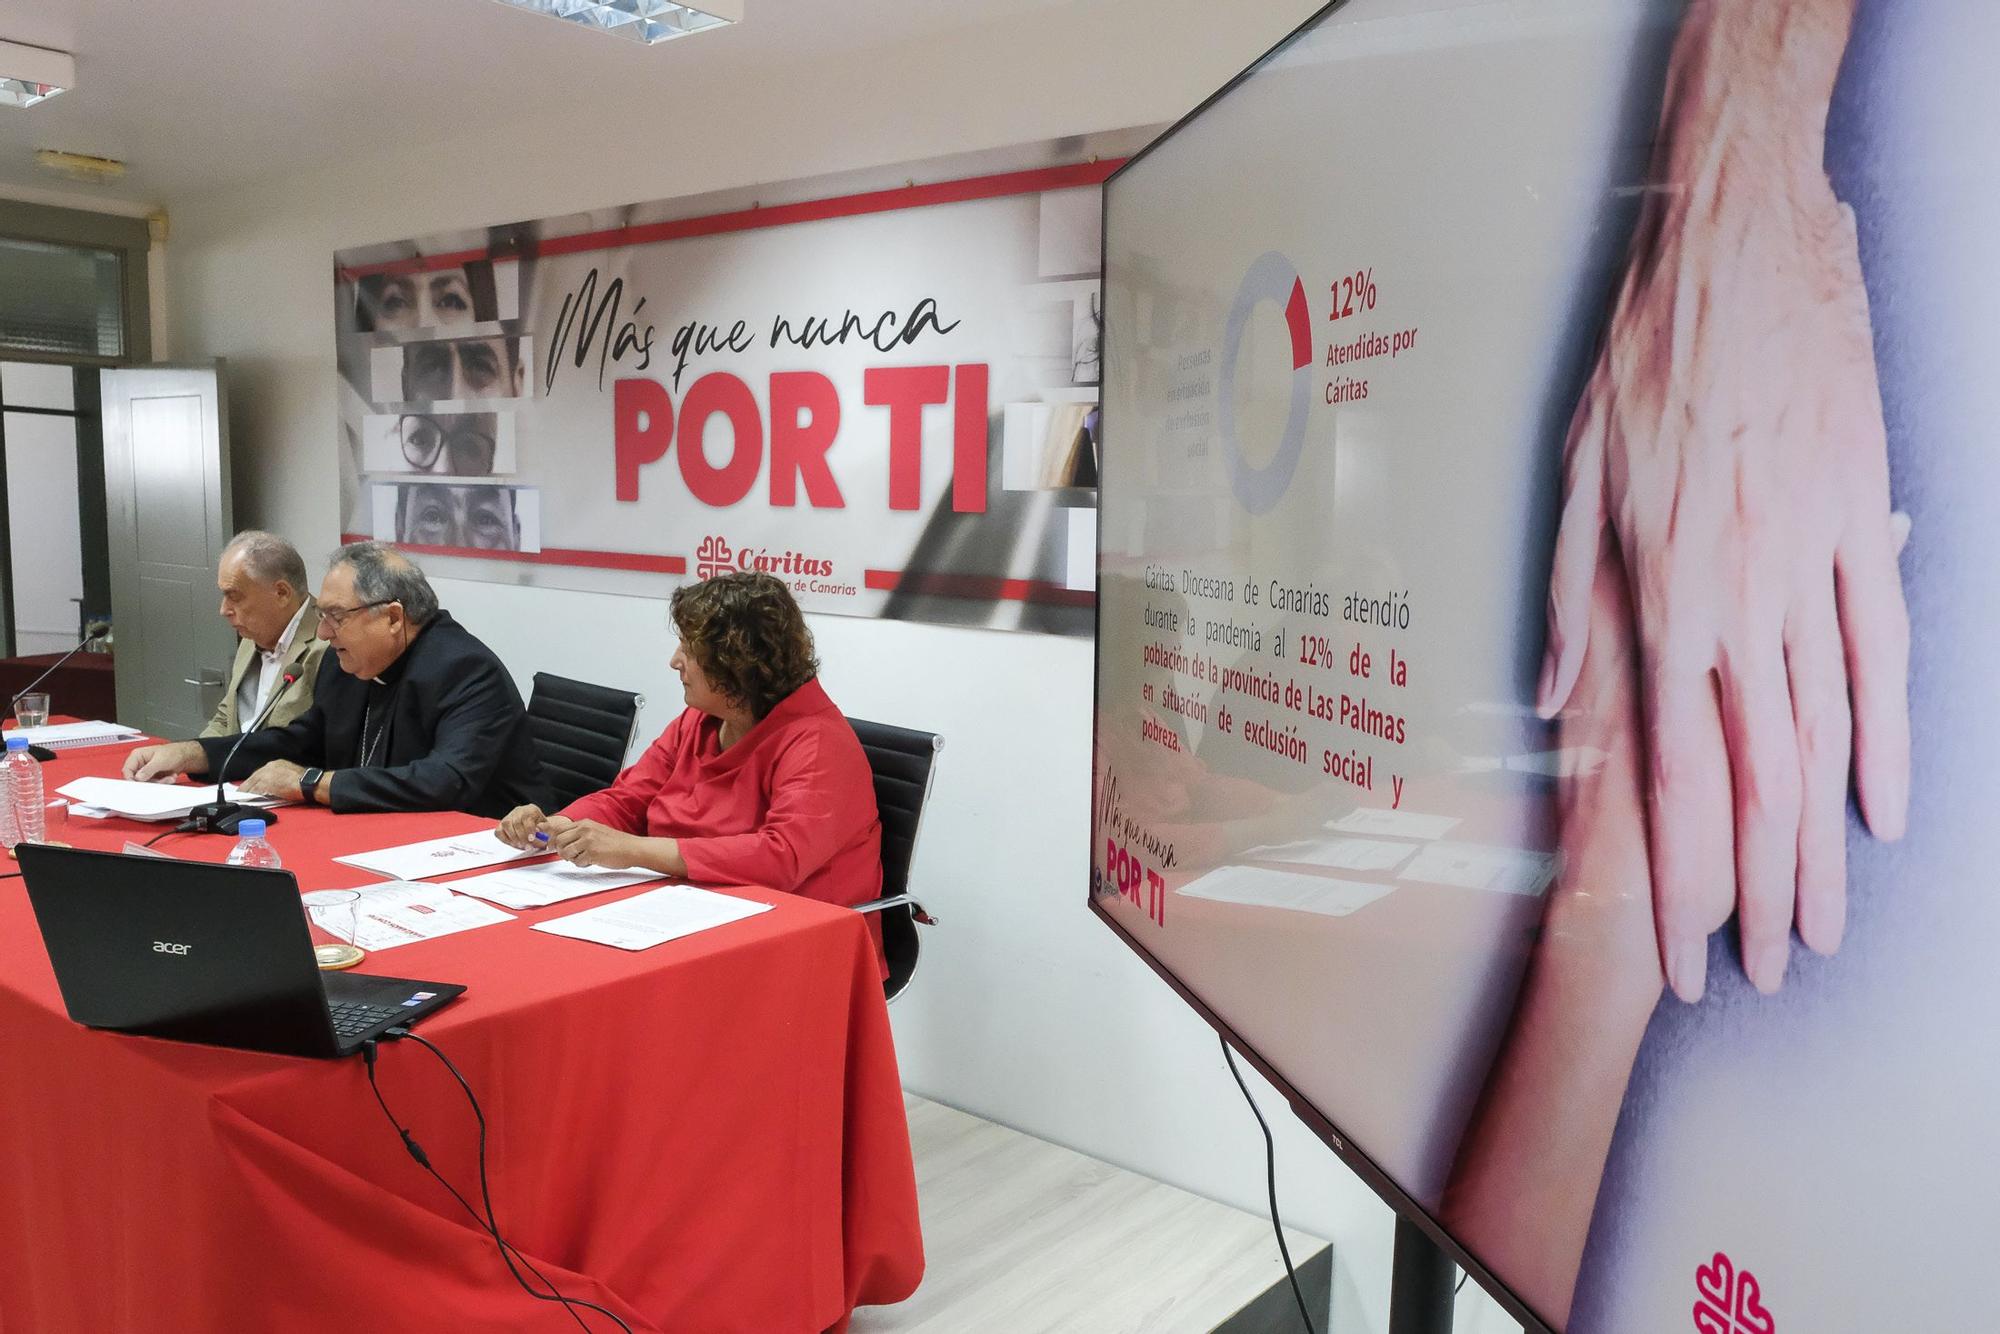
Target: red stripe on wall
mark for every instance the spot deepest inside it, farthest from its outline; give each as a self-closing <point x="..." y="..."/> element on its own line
<point x="978" y="586"/>
<point x="594" y="560"/>
<point x="780" y="215"/>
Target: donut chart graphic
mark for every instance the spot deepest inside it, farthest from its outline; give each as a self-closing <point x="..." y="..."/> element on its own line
<point x="1272" y="278"/>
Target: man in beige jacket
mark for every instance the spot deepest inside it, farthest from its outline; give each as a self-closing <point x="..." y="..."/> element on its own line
<point x="264" y="599"/>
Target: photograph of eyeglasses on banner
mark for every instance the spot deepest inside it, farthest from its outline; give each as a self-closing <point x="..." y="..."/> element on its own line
<point x="446" y="444"/>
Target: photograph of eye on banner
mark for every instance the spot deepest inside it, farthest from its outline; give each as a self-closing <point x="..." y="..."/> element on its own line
<point x="882" y="387"/>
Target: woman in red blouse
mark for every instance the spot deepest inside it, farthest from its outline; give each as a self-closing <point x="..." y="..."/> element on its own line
<point x="760" y="781"/>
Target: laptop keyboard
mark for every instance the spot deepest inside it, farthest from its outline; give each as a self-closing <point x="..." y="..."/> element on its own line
<point x="351" y="1018"/>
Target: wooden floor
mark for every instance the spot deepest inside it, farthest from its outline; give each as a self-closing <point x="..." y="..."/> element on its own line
<point x="1024" y="1237"/>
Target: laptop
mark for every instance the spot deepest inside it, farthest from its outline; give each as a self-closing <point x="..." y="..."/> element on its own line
<point x="200" y="952"/>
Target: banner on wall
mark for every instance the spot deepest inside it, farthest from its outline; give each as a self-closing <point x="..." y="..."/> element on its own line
<point x="881" y="388"/>
<point x="1546" y="673"/>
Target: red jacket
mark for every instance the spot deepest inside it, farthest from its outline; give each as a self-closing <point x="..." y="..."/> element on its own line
<point x="790" y="807"/>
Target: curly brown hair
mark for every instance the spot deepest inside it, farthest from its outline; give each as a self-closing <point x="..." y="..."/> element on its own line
<point x="748" y="635"/>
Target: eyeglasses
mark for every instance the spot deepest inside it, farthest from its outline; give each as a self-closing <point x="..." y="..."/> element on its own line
<point x="468" y="450"/>
<point x="338" y="616"/>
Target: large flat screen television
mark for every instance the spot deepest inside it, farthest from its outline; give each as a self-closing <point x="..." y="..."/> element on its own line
<point x="1547" y="654"/>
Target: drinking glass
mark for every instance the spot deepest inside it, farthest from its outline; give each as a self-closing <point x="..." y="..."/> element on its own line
<point x="336" y="918"/>
<point x="32" y="709"/>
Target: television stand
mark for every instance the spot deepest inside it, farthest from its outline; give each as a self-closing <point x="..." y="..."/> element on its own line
<point x="1421" y="1285"/>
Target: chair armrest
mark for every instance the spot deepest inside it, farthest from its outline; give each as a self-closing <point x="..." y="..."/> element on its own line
<point x="899" y="901"/>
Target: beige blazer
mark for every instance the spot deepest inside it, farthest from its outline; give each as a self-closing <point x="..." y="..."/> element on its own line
<point x="303" y="656"/>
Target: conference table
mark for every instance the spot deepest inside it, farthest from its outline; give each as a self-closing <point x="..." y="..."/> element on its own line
<point x="703" y="1136"/>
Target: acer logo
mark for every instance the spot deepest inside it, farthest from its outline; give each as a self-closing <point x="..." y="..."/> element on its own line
<point x="168" y="947"/>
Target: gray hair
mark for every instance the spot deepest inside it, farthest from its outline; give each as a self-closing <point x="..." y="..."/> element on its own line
<point x="384" y="574"/>
<point x="267" y="558"/>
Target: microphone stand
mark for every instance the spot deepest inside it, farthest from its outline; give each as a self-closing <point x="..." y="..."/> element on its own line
<point x="87" y="641"/>
<point x="221" y="816"/>
<point x="43" y="752"/>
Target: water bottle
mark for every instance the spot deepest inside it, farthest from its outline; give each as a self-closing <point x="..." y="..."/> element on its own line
<point x="10" y="825"/>
<point x="251" y="849"/>
<point x="23" y="784"/>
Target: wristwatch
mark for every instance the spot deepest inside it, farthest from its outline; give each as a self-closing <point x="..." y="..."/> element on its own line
<point x="308" y="781"/>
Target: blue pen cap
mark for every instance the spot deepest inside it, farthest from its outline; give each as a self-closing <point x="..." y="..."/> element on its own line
<point x="15" y="743"/>
<point x="251" y="828"/>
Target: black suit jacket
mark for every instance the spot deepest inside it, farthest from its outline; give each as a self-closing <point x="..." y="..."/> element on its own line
<point x="457" y="735"/>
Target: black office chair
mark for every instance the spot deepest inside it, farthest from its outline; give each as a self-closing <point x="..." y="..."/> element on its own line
<point x="582" y="732"/>
<point x="902" y="760"/>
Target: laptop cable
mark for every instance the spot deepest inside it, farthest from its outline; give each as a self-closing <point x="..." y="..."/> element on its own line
<point x="487" y="1224"/>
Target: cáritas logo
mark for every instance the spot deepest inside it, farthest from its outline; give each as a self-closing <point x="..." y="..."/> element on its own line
<point x="715" y="556"/>
<point x="1728" y="1300"/>
<point x="712" y="557"/>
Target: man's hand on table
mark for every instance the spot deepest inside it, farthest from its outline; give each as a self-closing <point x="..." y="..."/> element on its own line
<point x="279" y="778"/>
<point x="164" y="763"/>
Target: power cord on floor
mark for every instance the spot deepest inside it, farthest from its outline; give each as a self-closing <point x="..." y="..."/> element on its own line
<point x="487" y="1224"/>
<point x="1271" y="1179"/>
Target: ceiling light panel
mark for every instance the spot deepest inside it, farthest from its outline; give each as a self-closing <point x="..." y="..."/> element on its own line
<point x="29" y="74"/>
<point x="646" y="21"/>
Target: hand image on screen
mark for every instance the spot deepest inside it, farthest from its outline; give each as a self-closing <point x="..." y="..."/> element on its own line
<point x="1731" y="439"/>
<point x="1526" y="1178"/>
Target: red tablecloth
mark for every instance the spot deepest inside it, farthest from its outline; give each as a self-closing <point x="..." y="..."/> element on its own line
<point x="705" y="1136"/>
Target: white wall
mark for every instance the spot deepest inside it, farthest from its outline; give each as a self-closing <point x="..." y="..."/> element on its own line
<point x="1026" y="1010"/>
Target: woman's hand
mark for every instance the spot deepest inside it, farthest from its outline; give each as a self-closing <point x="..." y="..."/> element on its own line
<point x="1731" y="438"/>
<point x="518" y="828"/>
<point x="588" y="843"/>
<point x="1525" y="1181"/>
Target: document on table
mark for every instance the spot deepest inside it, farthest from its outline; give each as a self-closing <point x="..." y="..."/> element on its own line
<point x="1477" y="866"/>
<point x="74" y="736"/>
<point x="547" y="882"/>
<point x="151" y="801"/>
<point x="1263" y="888"/>
<point x="401" y="912"/>
<point x="653" y="918"/>
<point x="1386" y="823"/>
<point x="437" y="856"/>
<point x="1345" y="854"/>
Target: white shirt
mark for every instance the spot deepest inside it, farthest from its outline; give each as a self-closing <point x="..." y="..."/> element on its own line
<point x="253" y="694"/>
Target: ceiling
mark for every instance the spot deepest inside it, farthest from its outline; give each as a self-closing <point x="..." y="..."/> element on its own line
<point x="201" y="95"/>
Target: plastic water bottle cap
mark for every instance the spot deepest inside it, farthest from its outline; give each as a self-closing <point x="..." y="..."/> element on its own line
<point x="15" y="743"/>
<point x="251" y="828"/>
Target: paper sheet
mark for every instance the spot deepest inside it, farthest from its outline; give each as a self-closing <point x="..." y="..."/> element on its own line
<point x="1478" y="866"/>
<point x="1344" y="854"/>
<point x="1386" y="823"/>
<point x="437" y="856"/>
<point x="547" y="882"/>
<point x="653" y="918"/>
<point x="1263" y="888"/>
<point x="72" y="736"/>
<point x="400" y="912"/>
<point x="151" y="801"/>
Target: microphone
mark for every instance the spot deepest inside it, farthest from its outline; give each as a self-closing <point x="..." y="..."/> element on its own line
<point x="97" y="632"/>
<point x="220" y="816"/>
